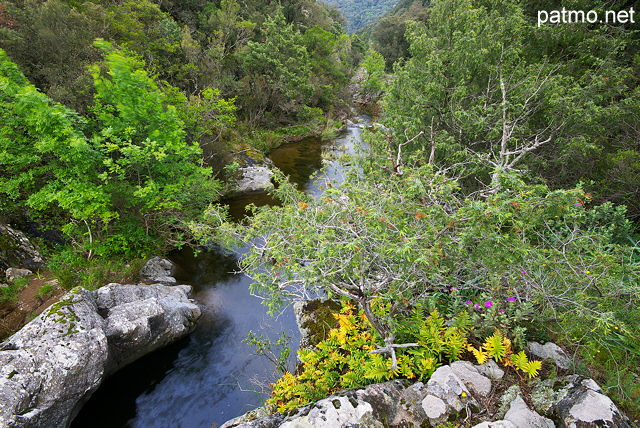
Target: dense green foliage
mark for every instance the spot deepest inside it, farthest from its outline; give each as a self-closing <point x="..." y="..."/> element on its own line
<point x="359" y="13"/>
<point x="122" y="105"/>
<point x="194" y="46"/>
<point x="133" y="179"/>
<point x="495" y="93"/>
<point x="344" y="359"/>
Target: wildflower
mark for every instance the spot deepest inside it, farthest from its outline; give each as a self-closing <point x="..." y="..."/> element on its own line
<point x="588" y="272"/>
<point x="464" y="394"/>
<point x="577" y="205"/>
<point x="488" y="303"/>
<point x="511" y="299"/>
<point x="453" y="289"/>
<point x="477" y="305"/>
<point x="469" y="302"/>
<point x="522" y="271"/>
<point x="302" y="205"/>
<point x="502" y="311"/>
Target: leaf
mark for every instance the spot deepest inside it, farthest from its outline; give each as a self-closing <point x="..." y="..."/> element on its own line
<point x="496" y="346"/>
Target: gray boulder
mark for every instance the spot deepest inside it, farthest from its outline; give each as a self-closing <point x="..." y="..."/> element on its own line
<point x="17" y="251"/>
<point x="51" y="366"/>
<point x="583" y="405"/>
<point x="142" y="318"/>
<point x="158" y="270"/>
<point x="14" y="273"/>
<point x="521" y="416"/>
<point x="255" y="178"/>
<point x="549" y="351"/>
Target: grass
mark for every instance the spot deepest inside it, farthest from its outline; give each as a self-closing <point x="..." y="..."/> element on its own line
<point x="11" y="293"/>
<point x="72" y="269"/>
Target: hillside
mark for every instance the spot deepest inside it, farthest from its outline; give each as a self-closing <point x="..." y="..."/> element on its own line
<point x="362" y="12"/>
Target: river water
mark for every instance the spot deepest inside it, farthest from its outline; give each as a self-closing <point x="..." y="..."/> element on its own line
<point x="206" y="379"/>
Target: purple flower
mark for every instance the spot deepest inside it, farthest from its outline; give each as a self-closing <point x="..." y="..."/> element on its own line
<point x="502" y="311"/>
<point x="511" y="299"/>
<point x="488" y="303"/>
<point x="522" y="271"/>
<point x="477" y="305"/>
<point x="577" y="205"/>
<point x="453" y="289"/>
<point x="468" y="302"/>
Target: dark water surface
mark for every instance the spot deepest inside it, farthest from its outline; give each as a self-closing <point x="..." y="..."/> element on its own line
<point x="206" y="379"/>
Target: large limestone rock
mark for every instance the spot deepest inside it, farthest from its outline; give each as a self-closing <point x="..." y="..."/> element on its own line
<point x="52" y="365"/>
<point x="142" y="318"/>
<point x="583" y="405"/>
<point x="158" y="270"/>
<point x="452" y="394"/>
<point x="17" y="251"/>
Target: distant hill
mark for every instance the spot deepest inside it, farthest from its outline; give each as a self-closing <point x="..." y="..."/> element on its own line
<point x="361" y="12"/>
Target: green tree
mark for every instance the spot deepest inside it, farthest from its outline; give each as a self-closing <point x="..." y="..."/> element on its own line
<point x="134" y="181"/>
<point x="48" y="166"/>
<point x="277" y="71"/>
<point x="373" y="64"/>
<point x="152" y="173"/>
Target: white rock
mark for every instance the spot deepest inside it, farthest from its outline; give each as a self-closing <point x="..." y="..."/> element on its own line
<point x="446" y="385"/>
<point x="550" y="351"/>
<point x="433" y="406"/>
<point x="496" y="424"/>
<point x="13" y="273"/>
<point x="523" y="417"/>
<point x="491" y="369"/>
<point x="469" y="374"/>
<point x="255" y="178"/>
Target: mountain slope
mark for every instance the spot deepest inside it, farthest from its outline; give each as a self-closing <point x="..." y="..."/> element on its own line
<point x="361" y="12"/>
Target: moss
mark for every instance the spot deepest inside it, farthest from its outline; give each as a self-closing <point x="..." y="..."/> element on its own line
<point x="65" y="313"/>
<point x="319" y="320"/>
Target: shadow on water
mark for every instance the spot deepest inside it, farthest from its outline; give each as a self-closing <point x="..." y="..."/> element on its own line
<point x="206" y="379"/>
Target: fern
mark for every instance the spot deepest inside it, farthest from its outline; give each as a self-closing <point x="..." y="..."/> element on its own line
<point x="496" y="346"/>
<point x="376" y="368"/>
<point x="522" y="363"/>
<point x="481" y="356"/>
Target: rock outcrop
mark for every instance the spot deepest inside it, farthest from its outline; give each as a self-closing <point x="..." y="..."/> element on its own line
<point x="17" y="251"/>
<point x="255" y="178"/>
<point x="51" y="366"/>
<point x="158" y="270"/>
<point x="453" y="393"/>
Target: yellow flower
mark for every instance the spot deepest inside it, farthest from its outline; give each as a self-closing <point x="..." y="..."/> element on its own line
<point x="464" y="394"/>
<point x="588" y="272"/>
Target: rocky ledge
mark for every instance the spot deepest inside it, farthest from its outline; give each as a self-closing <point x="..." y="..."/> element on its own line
<point x="50" y="368"/>
<point x="459" y="393"/>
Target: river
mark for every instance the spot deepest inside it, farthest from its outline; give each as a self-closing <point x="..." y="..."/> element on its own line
<point x="206" y="379"/>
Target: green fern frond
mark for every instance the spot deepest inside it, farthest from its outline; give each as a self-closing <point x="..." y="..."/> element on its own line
<point x="496" y="346"/>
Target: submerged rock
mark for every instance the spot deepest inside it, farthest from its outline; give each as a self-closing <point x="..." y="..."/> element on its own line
<point x="50" y="368"/>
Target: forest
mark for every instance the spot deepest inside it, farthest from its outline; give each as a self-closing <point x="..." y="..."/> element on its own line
<point x="359" y="13"/>
<point x="498" y="194"/>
